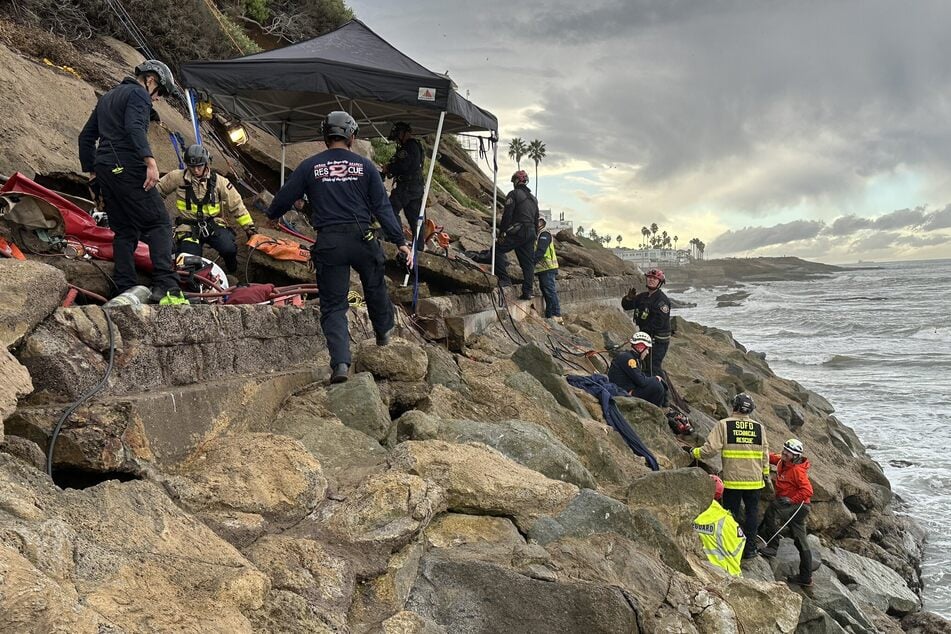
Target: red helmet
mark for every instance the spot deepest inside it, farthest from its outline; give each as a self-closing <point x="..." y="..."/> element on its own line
<point x="520" y="177"/>
<point x="658" y="274"/>
<point x="717" y="487"/>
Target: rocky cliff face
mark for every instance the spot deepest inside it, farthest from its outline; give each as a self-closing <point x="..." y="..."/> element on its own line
<point x="457" y="483"/>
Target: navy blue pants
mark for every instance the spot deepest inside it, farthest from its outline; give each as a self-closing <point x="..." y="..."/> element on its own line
<point x="338" y="249"/>
<point x="136" y="214"/>
<point x="749" y="499"/>
<point x="546" y="282"/>
<point x="219" y="238"/>
<point x="408" y="200"/>
<point x="657" y="354"/>
<point x="524" y="247"/>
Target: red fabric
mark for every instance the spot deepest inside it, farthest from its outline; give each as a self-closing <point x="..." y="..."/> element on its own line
<point x="253" y="294"/>
<point x="79" y="224"/>
<point x="792" y="479"/>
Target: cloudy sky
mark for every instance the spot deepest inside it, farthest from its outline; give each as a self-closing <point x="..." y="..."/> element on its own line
<point x="817" y="128"/>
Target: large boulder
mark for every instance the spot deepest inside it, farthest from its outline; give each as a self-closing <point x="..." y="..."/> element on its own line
<point x="387" y="509"/>
<point x="871" y="581"/>
<point x="786" y="561"/>
<point x="346" y="455"/>
<point x="306" y="568"/>
<point x="762" y="607"/>
<point x="676" y="496"/>
<point x="591" y="513"/>
<point x="469" y="597"/>
<point x="267" y="475"/>
<point x="479" y="479"/>
<point x="16" y="383"/>
<point x="828" y="594"/>
<point x="539" y="363"/>
<point x="525" y="443"/>
<point x="129" y="553"/>
<point x="651" y="426"/>
<point x="358" y="404"/>
<point x="31" y="291"/>
<point x="398" y="361"/>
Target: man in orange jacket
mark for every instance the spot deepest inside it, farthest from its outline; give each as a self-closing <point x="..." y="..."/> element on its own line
<point x="790" y="508"/>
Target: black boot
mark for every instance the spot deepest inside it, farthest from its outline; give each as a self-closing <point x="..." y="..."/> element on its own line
<point x="383" y="338"/>
<point x="340" y="373"/>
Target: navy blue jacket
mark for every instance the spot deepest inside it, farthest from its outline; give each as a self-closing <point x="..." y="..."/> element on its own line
<point x="406" y="166"/>
<point x="625" y="371"/>
<point x="343" y="188"/>
<point x="120" y="125"/>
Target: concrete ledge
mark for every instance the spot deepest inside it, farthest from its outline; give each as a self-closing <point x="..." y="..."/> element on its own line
<point x="162" y="426"/>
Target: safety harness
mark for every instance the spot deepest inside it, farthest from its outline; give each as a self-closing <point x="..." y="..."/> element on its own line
<point x="199" y="222"/>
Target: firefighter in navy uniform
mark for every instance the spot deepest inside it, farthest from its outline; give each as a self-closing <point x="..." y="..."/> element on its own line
<point x="202" y="195"/>
<point x="627" y="372"/>
<point x="741" y="443"/>
<point x="114" y="150"/>
<point x="517" y="232"/>
<point x="347" y="195"/>
<point x="652" y="315"/>
<point x="406" y="170"/>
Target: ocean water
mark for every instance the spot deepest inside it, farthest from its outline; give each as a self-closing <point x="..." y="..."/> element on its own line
<point x="877" y="344"/>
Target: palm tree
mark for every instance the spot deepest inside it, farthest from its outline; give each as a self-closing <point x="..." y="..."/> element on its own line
<point x="701" y="247"/>
<point x="536" y="152"/>
<point x="579" y="231"/>
<point x="517" y="150"/>
<point x="675" y="242"/>
<point x="693" y="243"/>
<point x="644" y="233"/>
<point x="665" y="240"/>
<point x="619" y="238"/>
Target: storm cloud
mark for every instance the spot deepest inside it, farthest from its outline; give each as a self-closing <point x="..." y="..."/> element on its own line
<point x="751" y="238"/>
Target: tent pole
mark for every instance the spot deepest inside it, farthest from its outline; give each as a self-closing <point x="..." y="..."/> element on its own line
<point x="283" y="149"/>
<point x="422" y="206"/>
<point x="495" y="195"/>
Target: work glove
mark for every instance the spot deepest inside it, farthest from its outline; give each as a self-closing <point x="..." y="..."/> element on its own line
<point x="250" y="230"/>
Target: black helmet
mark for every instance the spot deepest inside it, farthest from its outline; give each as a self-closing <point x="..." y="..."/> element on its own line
<point x="196" y="156"/>
<point x="166" y="83"/>
<point x="742" y="403"/>
<point x="339" y="124"/>
<point x="399" y="128"/>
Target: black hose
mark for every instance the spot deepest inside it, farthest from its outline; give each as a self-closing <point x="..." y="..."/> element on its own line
<point x="85" y="397"/>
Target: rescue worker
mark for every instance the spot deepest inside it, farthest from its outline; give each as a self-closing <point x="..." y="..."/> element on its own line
<point x="790" y="508"/>
<point x="741" y="443"/>
<point x="652" y="315"/>
<point x="627" y="372"/>
<point x="114" y="150"/>
<point x="546" y="268"/>
<point x="406" y="170"/>
<point x="517" y="232"/>
<point x="201" y="195"/>
<point x="347" y="194"/>
<point x="722" y="538"/>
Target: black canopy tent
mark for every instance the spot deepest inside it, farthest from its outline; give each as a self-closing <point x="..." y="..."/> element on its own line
<point x="288" y="91"/>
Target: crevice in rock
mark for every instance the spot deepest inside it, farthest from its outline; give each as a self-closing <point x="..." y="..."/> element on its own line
<point x="79" y="478"/>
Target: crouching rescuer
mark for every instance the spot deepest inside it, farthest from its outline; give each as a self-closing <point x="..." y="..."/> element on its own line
<point x="627" y="371"/>
<point x="722" y="538"/>
<point x="201" y="196"/>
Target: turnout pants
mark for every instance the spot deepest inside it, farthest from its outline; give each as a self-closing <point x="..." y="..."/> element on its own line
<point x="546" y="282"/>
<point x="338" y="249"/>
<point x="778" y="514"/>
<point x="524" y="247"/>
<point x="408" y="198"/>
<point x="136" y="214"/>
<point x="219" y="238"/>
<point x="749" y="499"/>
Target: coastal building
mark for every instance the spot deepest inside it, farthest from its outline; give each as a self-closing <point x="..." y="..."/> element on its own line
<point x="555" y="224"/>
<point x="646" y="258"/>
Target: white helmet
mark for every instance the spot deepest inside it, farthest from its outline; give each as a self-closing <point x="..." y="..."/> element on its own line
<point x="642" y="337"/>
<point x="793" y="446"/>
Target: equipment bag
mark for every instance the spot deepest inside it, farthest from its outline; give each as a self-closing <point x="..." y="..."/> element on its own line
<point x="278" y="248"/>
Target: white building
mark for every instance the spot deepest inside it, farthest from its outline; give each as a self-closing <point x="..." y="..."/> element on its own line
<point x="647" y="258"/>
<point x="555" y="225"/>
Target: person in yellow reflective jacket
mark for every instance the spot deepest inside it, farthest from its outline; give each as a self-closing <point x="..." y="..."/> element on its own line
<point x="741" y="443"/>
<point x="546" y="268"/>
<point x="202" y="194"/>
<point x="722" y="538"/>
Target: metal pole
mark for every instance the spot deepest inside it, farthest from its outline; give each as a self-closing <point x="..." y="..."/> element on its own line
<point x="189" y="99"/>
<point x="283" y="149"/>
<point x="429" y="181"/>
<point x="495" y="192"/>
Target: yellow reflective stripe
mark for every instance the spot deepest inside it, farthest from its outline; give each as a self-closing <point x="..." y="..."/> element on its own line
<point x="735" y="484"/>
<point x="742" y="453"/>
<point x="208" y="210"/>
<point x="244" y="220"/>
<point x="766" y="471"/>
